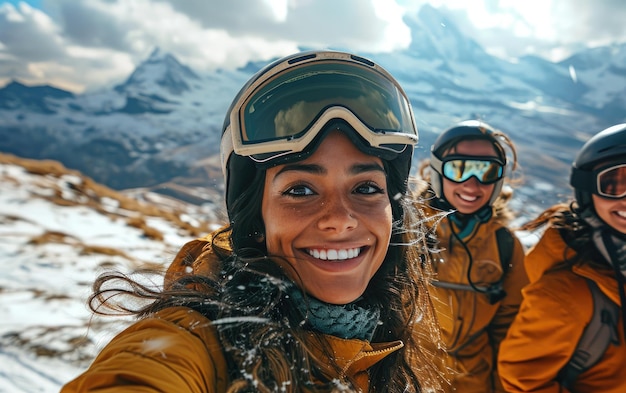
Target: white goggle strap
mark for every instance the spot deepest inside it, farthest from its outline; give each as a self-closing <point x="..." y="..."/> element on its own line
<point x="226" y="149"/>
<point x="288" y="145"/>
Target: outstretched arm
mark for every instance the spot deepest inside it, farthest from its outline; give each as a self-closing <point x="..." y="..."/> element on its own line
<point x="175" y="351"/>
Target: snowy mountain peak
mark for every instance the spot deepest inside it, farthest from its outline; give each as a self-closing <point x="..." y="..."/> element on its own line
<point x="157" y="54"/>
<point x="433" y="35"/>
<point x="161" y="71"/>
<point x="165" y="120"/>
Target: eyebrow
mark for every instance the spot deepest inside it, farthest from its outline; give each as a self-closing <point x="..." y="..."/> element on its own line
<point x="320" y="170"/>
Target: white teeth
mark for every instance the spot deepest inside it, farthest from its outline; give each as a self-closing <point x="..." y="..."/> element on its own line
<point x="621" y="213"/>
<point x="334" y="255"/>
<point x="468" y="198"/>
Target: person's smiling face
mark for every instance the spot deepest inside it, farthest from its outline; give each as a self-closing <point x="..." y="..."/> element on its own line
<point x="469" y="196"/>
<point x="611" y="211"/>
<point x="330" y="217"/>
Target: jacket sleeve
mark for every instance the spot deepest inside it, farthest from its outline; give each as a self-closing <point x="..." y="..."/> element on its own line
<point x="175" y="351"/>
<point x="199" y="257"/>
<point x="544" y="335"/>
<point x="515" y="280"/>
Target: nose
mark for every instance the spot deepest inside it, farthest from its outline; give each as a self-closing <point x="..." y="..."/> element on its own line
<point x="336" y="215"/>
<point x="471" y="182"/>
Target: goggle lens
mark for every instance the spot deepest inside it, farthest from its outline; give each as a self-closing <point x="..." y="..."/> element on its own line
<point x="485" y="170"/>
<point x="279" y="116"/>
<point x="612" y="182"/>
<point x="289" y="103"/>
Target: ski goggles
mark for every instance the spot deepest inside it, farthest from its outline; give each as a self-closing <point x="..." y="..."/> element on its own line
<point x="288" y="106"/>
<point x="608" y="182"/>
<point x="459" y="169"/>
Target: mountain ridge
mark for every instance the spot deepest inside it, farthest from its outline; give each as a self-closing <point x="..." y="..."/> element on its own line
<point x="164" y="122"/>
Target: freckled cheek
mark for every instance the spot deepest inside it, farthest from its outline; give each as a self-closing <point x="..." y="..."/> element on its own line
<point x="380" y="210"/>
<point x="274" y="237"/>
<point x="281" y="228"/>
<point x="379" y="219"/>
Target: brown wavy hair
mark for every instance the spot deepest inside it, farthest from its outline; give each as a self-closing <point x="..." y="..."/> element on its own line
<point x="575" y="231"/>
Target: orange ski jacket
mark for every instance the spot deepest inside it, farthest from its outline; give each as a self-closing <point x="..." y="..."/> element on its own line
<point x="556" y="308"/>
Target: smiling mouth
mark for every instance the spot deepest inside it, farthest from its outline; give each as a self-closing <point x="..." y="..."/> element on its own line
<point x="468" y="198"/>
<point x="335" y="255"/>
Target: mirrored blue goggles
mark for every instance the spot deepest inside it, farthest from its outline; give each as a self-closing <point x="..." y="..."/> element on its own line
<point x="459" y="169"/>
<point x="284" y="112"/>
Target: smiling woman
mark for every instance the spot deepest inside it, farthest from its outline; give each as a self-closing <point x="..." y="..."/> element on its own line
<point x="579" y="259"/>
<point x="330" y="218"/>
<point x="479" y="263"/>
<point x="315" y="284"/>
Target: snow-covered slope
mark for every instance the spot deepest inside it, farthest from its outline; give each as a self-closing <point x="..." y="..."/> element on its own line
<point x="59" y="230"/>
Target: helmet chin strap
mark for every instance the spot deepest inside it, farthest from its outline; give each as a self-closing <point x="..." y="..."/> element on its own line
<point x="610" y="243"/>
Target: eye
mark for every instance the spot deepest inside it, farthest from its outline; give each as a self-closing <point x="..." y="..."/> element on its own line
<point x="368" y="188"/>
<point x="299" y="191"/>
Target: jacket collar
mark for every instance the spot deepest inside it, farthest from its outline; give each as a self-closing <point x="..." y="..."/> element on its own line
<point x="353" y="357"/>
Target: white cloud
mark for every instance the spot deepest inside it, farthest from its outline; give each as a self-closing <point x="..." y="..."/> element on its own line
<point x="90" y="43"/>
<point x="549" y="28"/>
<point x="29" y="33"/>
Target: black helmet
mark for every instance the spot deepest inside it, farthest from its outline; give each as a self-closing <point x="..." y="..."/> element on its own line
<point x="283" y="111"/>
<point x="466" y="130"/>
<point x="607" y="145"/>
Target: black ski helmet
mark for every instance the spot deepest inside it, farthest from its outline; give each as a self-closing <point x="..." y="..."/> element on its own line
<point x="465" y="130"/>
<point x="240" y="170"/>
<point x="607" y="145"/>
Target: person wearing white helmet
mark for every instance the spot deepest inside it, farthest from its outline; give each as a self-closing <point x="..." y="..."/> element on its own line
<point x="313" y="285"/>
<point x="479" y="262"/>
<point x="576" y="270"/>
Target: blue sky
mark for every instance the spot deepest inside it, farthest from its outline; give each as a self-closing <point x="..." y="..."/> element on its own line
<point x="34" y="3"/>
<point x="84" y="44"/>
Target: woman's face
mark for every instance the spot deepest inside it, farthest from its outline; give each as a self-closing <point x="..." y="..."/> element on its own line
<point x="469" y="196"/>
<point x="330" y="217"/>
<point x="611" y="211"/>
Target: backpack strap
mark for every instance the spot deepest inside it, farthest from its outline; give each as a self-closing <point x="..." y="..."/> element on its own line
<point x="505" y="241"/>
<point x="504" y="238"/>
<point x="596" y="338"/>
